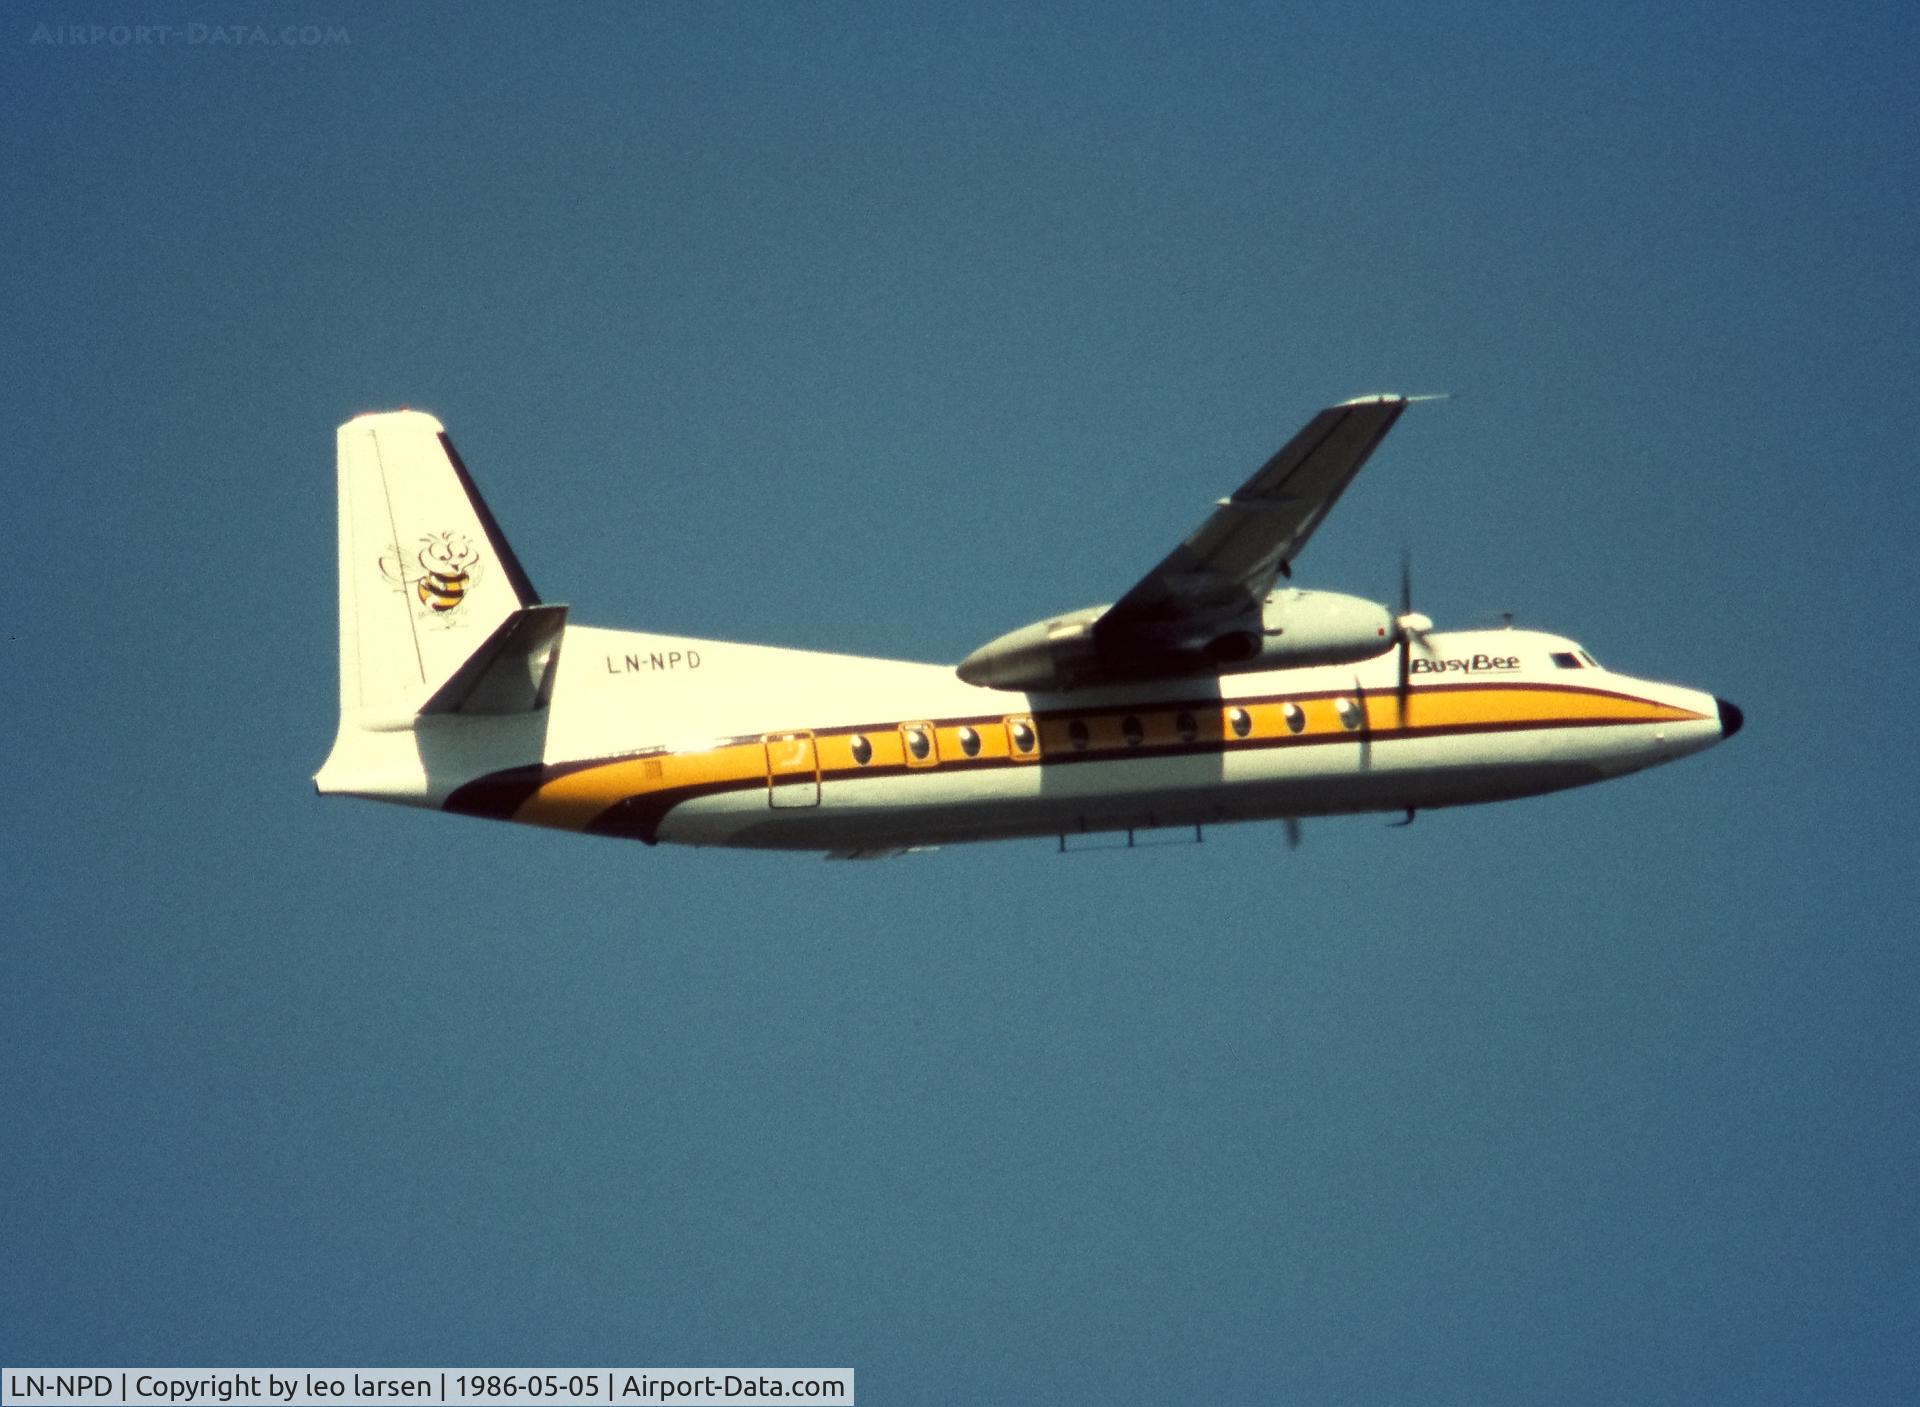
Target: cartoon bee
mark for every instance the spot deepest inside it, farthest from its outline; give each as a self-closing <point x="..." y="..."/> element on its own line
<point x="449" y="563"/>
<point x="448" y="566"/>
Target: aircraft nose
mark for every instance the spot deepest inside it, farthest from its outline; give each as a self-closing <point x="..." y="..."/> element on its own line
<point x="1731" y="718"/>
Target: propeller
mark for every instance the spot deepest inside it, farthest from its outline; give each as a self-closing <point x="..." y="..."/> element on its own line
<point x="1366" y="723"/>
<point x="1411" y="628"/>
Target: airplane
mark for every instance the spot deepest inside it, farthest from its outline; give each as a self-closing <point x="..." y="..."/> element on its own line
<point x="1213" y="691"/>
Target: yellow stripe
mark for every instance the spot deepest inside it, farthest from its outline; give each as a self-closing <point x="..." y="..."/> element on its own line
<point x="1453" y="708"/>
<point x="573" y="802"/>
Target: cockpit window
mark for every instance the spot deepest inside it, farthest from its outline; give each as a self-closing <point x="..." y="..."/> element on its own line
<point x="1590" y="659"/>
<point x="1566" y="659"/>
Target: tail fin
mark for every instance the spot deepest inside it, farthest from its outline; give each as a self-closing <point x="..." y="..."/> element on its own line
<point x="426" y="578"/>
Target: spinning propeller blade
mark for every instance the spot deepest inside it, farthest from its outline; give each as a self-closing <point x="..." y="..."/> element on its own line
<point x="1410" y="627"/>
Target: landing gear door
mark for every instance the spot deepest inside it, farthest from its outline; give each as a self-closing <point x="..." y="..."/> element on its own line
<point x="793" y="770"/>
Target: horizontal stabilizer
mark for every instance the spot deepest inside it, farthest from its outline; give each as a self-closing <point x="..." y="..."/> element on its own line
<point x="511" y="672"/>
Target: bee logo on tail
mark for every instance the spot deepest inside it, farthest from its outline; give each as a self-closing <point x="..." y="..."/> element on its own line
<point x="441" y="572"/>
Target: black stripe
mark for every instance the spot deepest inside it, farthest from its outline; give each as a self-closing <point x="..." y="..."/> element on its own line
<point x="499" y="795"/>
<point x="639" y="817"/>
<point x="509" y="563"/>
<point x="1214" y="702"/>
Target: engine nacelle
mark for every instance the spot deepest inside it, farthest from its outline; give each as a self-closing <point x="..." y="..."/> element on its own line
<point x="1045" y="655"/>
<point x="1294" y="629"/>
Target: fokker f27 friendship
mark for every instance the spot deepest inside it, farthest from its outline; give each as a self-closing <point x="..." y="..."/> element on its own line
<point x="1210" y="692"/>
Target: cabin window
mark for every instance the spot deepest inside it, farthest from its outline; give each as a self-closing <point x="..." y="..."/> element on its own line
<point x="1131" y="730"/>
<point x="969" y="742"/>
<point x="1022" y="734"/>
<point x="1565" y="659"/>
<point x="1296" y="717"/>
<point x="1240" y="721"/>
<point x="862" y="749"/>
<point x="918" y="743"/>
<point x="1188" y="728"/>
<point x="1351" y="714"/>
<point x="1077" y="735"/>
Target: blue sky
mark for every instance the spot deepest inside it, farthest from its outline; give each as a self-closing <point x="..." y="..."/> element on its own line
<point x="878" y="329"/>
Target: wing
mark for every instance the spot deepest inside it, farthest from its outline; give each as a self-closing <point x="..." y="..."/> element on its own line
<point x="1201" y="609"/>
<point x="1227" y="567"/>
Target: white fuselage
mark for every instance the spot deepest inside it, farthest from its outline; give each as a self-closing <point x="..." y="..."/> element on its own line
<point x="713" y="743"/>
